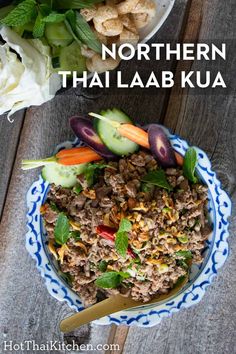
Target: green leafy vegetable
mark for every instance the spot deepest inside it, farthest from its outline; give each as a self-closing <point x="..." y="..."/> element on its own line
<point x="75" y="4"/>
<point x="75" y="235"/>
<point x="39" y="27"/>
<point x="91" y="172"/>
<point x="86" y="35"/>
<point x="62" y="229"/>
<point x="23" y="13"/>
<point x="125" y="226"/>
<point x="121" y="243"/>
<point x="121" y="240"/>
<point x="54" y="17"/>
<point x="157" y="178"/>
<point x="111" y="280"/>
<point x="184" y="254"/>
<point x="102" y="266"/>
<point x="189" y="167"/>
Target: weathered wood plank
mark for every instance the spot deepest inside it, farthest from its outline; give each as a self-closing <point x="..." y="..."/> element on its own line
<point x="9" y="136"/>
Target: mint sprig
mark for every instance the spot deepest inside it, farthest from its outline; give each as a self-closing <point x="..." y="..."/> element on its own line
<point x="157" y="178"/>
<point x="190" y="163"/>
<point x="122" y="240"/>
<point x="62" y="229"/>
<point x="110" y="280"/>
<point x="23" y="13"/>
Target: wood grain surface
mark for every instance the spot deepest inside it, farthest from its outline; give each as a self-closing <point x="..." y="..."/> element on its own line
<point x="27" y="311"/>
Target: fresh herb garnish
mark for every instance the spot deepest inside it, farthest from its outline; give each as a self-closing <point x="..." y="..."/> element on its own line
<point x="39" y="26"/>
<point x="102" y="266"/>
<point x="157" y="178"/>
<point x="110" y="280"/>
<point x="121" y="243"/>
<point x="62" y="229"/>
<point x="22" y="14"/>
<point x="54" y="17"/>
<point x="184" y="254"/>
<point x="75" y="235"/>
<point x="125" y="226"/>
<point x="78" y="188"/>
<point x="121" y="240"/>
<point x="85" y="34"/>
<point x="91" y="172"/>
<point x="190" y="163"/>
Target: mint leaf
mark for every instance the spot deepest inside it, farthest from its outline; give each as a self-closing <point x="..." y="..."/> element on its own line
<point x="62" y="229"/>
<point x="86" y="35"/>
<point x="23" y="13"/>
<point x="125" y="225"/>
<point x="184" y="254"/>
<point x="121" y="243"/>
<point x="39" y="27"/>
<point x="190" y="163"/>
<point x="91" y="172"/>
<point x="54" y="17"/>
<point x="110" y="280"/>
<point x="157" y="178"/>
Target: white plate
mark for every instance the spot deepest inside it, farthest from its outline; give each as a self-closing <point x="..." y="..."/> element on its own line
<point x="163" y="9"/>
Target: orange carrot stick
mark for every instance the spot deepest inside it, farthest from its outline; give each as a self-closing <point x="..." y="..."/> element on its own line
<point x="135" y="134"/>
<point x="73" y="151"/>
<point x="140" y="137"/>
<point x="77" y="156"/>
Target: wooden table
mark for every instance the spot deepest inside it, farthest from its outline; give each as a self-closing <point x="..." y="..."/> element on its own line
<point x="28" y="312"/>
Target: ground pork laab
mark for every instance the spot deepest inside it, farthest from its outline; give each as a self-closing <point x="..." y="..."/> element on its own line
<point x="169" y="229"/>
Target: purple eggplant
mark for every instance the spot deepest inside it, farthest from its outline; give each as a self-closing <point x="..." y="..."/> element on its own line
<point x="161" y="146"/>
<point x="83" y="129"/>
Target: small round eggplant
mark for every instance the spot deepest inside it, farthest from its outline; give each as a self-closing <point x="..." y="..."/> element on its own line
<point x="161" y="146"/>
<point x="83" y="129"/>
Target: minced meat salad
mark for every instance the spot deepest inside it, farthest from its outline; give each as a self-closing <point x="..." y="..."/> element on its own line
<point x="127" y="227"/>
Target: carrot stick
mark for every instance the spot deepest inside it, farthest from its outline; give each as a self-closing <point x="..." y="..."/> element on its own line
<point x="81" y="155"/>
<point x="135" y="134"/>
<point x="73" y="151"/>
<point x="140" y="137"/>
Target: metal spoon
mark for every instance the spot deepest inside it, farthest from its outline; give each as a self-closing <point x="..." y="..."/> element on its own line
<point x="111" y="305"/>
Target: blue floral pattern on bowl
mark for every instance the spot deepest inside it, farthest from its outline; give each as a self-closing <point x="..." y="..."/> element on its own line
<point x="215" y="253"/>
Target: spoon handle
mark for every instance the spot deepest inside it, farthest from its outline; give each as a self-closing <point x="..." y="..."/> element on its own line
<point x="106" y="307"/>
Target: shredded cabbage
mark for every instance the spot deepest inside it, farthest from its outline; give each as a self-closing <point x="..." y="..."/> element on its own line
<point x="27" y="78"/>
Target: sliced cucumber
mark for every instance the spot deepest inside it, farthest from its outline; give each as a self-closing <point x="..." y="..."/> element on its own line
<point x="71" y="58"/>
<point x="111" y="138"/>
<point x="60" y="175"/>
<point x="58" y="35"/>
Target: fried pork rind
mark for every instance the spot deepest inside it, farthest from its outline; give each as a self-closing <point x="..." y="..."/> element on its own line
<point x="143" y="7"/>
<point x="107" y="22"/>
<point x="97" y="64"/>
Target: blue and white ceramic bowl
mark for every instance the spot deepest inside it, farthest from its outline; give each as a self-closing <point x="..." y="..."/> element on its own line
<point x="215" y="252"/>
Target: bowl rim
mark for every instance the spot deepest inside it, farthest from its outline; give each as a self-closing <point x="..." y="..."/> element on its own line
<point x="145" y="316"/>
